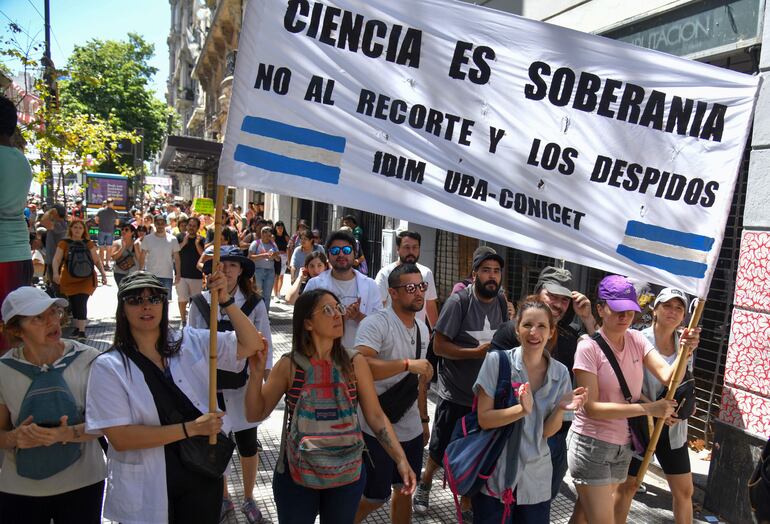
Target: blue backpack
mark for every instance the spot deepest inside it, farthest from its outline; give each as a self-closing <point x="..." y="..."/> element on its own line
<point x="47" y="400"/>
<point x="473" y="453"/>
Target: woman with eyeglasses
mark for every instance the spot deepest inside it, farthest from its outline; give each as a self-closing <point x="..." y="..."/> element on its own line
<point x="53" y="471"/>
<point x="238" y="271"/>
<point x="315" y="264"/>
<point x="264" y="253"/>
<point x="124" y="257"/>
<point x="317" y="329"/>
<point x="77" y="288"/>
<point x="149" y="392"/>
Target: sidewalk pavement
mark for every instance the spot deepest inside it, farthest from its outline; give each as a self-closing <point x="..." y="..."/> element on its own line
<point x="653" y="507"/>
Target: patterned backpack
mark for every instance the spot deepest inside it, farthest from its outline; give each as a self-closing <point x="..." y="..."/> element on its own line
<point x="323" y="444"/>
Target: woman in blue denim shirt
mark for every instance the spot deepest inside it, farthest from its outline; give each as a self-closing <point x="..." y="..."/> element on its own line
<point x="544" y="396"/>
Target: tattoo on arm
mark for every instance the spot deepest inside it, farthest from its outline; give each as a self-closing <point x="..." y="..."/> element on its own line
<point x="384" y="439"/>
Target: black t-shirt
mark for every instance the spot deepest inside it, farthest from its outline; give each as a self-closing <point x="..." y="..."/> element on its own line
<point x="282" y="242"/>
<point x="566" y="343"/>
<point x="188" y="256"/>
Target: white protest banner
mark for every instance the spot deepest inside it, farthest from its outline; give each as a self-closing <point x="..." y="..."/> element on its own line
<point x="493" y="126"/>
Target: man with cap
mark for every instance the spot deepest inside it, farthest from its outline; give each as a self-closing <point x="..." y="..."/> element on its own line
<point x="160" y="255"/>
<point x="463" y="334"/>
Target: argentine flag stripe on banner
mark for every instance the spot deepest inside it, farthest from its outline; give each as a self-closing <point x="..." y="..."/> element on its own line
<point x="282" y="148"/>
<point x="677" y="252"/>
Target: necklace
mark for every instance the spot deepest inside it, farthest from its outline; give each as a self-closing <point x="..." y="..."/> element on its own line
<point x="412" y="332"/>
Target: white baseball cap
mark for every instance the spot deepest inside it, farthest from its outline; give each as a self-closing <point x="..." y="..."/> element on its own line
<point x="670" y="293"/>
<point x="28" y="301"/>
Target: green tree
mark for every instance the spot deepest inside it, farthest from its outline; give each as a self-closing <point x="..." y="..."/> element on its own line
<point x="110" y="79"/>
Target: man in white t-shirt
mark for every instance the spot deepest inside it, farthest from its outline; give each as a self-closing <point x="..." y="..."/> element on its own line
<point x="160" y="255"/>
<point x="408" y="248"/>
<point x="395" y="344"/>
<point x="357" y="292"/>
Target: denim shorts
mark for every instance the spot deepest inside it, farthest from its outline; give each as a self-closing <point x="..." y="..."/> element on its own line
<point x="594" y="462"/>
<point x="105" y="239"/>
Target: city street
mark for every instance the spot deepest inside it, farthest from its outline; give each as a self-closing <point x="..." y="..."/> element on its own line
<point x="652" y="507"/>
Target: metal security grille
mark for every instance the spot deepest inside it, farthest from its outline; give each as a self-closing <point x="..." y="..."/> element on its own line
<point x="371" y="243"/>
<point x="709" y="363"/>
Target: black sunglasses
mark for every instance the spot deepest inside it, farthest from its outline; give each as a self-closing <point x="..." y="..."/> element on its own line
<point x="137" y="300"/>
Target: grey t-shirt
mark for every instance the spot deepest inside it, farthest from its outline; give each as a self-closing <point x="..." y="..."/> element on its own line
<point x="533" y="475"/>
<point x="385" y="333"/>
<point x="466" y="329"/>
<point x="107" y="217"/>
<point x="52" y="239"/>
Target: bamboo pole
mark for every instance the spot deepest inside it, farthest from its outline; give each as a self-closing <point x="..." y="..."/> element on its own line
<point x="676" y="379"/>
<point x="214" y="315"/>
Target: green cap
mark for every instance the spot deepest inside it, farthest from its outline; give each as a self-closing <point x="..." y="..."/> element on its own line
<point x="140" y="280"/>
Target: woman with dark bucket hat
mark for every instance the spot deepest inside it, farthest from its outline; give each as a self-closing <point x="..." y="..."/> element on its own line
<point x="53" y="471"/>
<point x="238" y="270"/>
<point x="149" y="395"/>
<point x="668" y="314"/>
<point x="599" y="441"/>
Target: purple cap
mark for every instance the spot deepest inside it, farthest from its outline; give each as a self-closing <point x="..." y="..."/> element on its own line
<point x="619" y="293"/>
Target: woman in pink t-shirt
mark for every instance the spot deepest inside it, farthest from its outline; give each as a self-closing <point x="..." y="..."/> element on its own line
<point x="598" y="443"/>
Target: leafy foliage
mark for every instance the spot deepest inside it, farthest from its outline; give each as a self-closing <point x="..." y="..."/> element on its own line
<point x="109" y="79"/>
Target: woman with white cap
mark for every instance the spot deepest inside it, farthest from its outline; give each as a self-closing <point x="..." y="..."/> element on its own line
<point x="52" y="469"/>
<point x="149" y="395"/>
<point x="668" y="314"/>
<point x="599" y="441"/>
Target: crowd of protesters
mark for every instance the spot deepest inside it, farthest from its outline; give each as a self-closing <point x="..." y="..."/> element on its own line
<point x="124" y="434"/>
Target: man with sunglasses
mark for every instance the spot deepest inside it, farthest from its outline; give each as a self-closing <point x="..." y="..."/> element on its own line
<point x="408" y="248"/>
<point x="395" y="344"/>
<point x="357" y="292"/>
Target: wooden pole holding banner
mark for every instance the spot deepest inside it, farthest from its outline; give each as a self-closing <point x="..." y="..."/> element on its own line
<point x="676" y="379"/>
<point x="214" y="315"/>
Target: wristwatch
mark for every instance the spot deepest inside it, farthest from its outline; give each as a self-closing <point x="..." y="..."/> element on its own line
<point x="425" y="420"/>
<point x="229" y="302"/>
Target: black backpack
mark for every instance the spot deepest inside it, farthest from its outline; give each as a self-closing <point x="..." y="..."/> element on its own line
<point x="79" y="261"/>
<point x="465" y="304"/>
<point x="227" y="379"/>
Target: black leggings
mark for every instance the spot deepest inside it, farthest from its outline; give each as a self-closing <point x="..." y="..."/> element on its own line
<point x="79" y="306"/>
<point x="79" y="506"/>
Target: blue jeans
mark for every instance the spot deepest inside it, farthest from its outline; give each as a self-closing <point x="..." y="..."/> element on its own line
<point x="299" y="505"/>
<point x="558" y="445"/>
<point x="168" y="283"/>
<point x="265" y="279"/>
<point x="489" y="510"/>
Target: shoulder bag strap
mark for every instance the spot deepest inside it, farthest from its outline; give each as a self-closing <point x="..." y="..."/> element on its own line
<point x="279" y="464"/>
<point x="615" y="366"/>
<point x="502" y="391"/>
<point x="418" y="345"/>
<point x="203" y="306"/>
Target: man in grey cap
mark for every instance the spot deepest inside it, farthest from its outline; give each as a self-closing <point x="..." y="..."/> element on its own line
<point x="463" y="334"/>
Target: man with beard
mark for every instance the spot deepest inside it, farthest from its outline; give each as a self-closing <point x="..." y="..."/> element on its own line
<point x="395" y="344"/>
<point x="408" y="249"/>
<point x="357" y="292"/>
<point x="464" y="330"/>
